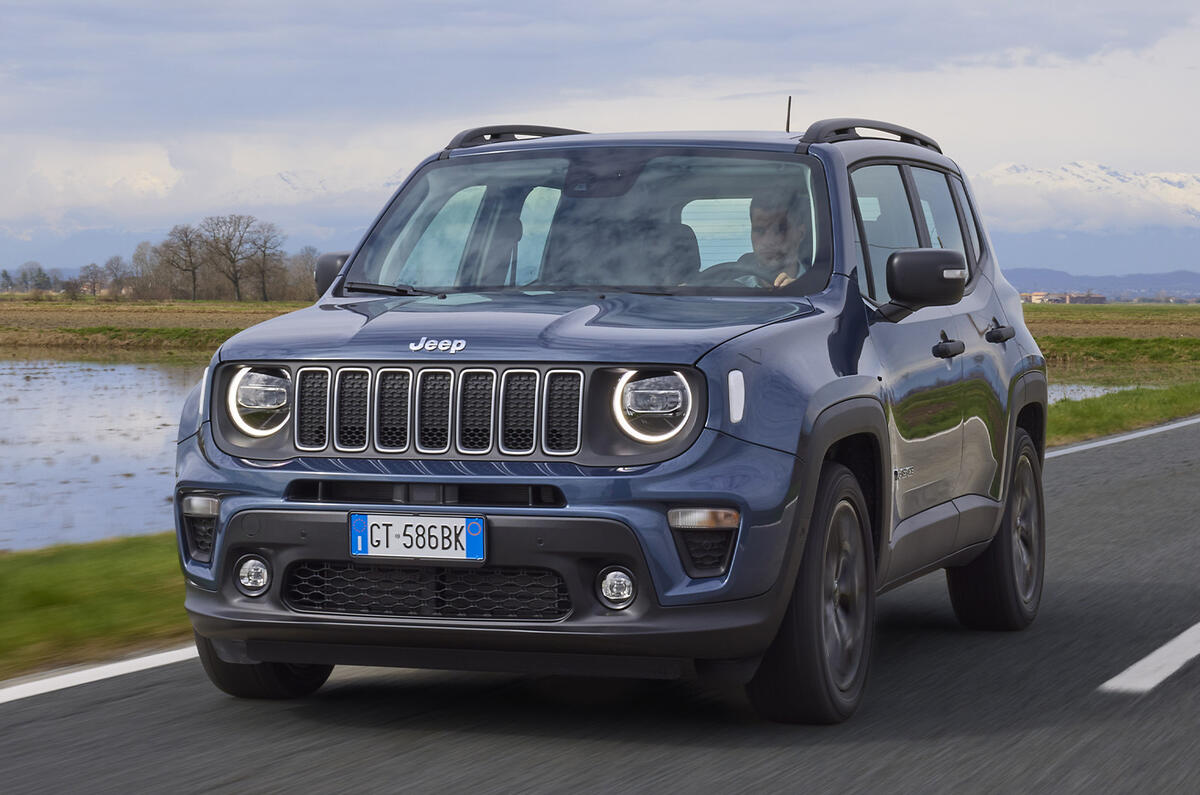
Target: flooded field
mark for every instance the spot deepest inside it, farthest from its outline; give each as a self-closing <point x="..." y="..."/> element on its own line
<point x="87" y="450"/>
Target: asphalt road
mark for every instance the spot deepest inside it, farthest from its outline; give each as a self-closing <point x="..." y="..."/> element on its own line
<point x="946" y="708"/>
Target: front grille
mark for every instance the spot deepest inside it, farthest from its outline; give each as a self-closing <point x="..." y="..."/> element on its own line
<point x="564" y="393"/>
<point x="312" y="408"/>
<point x="391" y="419"/>
<point x="439" y="410"/>
<point x="705" y="553"/>
<point x="353" y="389"/>
<point x="511" y="593"/>
<point x="476" y="408"/>
<point x="434" y="396"/>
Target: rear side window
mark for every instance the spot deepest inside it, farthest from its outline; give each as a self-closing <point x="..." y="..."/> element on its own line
<point x="941" y="219"/>
<point x="886" y="218"/>
<point x="960" y="193"/>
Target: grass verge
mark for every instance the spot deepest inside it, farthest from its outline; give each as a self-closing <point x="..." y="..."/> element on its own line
<point x="1078" y="420"/>
<point x="83" y="602"/>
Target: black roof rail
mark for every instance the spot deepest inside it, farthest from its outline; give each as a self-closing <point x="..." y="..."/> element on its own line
<point x="831" y="130"/>
<point x="497" y="133"/>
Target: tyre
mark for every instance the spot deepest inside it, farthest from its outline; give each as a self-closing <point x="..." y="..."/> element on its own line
<point x="1002" y="588"/>
<point x="816" y="669"/>
<point x="260" y="680"/>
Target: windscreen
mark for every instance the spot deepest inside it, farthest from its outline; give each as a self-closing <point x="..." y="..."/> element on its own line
<point x="649" y="220"/>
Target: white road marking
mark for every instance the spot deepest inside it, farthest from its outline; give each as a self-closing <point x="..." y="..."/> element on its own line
<point x="1149" y="672"/>
<point x="83" y="676"/>
<point x="1125" y="437"/>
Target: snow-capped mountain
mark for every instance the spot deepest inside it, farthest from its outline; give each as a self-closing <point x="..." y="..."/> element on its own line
<point x="1088" y="197"/>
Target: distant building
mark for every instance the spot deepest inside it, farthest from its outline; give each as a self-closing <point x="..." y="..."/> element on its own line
<point x="1086" y="298"/>
<point x="1043" y="297"/>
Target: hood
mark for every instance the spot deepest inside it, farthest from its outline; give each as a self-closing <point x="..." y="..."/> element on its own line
<point x="552" y="327"/>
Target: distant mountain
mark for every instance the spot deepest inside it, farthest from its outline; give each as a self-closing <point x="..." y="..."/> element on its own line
<point x="1175" y="283"/>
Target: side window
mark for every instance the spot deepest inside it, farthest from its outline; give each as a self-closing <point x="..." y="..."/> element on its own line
<point x="960" y="193"/>
<point x="940" y="216"/>
<point x="436" y="256"/>
<point x="886" y="218"/>
<point x="722" y="228"/>
<point x="536" y="214"/>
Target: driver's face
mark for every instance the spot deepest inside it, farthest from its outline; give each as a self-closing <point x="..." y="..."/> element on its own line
<point x="776" y="241"/>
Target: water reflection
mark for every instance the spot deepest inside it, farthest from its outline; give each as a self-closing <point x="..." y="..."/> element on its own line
<point x="87" y="451"/>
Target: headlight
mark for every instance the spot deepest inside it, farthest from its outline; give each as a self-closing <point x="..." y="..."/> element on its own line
<point x="652" y="407"/>
<point x="260" y="400"/>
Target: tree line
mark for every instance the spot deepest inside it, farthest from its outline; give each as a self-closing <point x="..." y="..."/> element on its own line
<point x="223" y="257"/>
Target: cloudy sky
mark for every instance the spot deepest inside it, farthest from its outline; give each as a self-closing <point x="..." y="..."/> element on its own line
<point x="120" y="119"/>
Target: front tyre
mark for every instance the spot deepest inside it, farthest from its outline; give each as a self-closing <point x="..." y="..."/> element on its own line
<point x="260" y="680"/>
<point x="1002" y="588"/>
<point x="816" y="668"/>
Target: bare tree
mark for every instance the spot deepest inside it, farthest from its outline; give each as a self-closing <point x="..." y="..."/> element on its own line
<point x="267" y="262"/>
<point x="227" y="241"/>
<point x="184" y="251"/>
<point x="92" y="277"/>
<point x="6" y="281"/>
<point x="302" y="271"/>
<point x="117" y="271"/>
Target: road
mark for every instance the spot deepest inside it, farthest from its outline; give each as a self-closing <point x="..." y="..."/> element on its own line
<point x="946" y="708"/>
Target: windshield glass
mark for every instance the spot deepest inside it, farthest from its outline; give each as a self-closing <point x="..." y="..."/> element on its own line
<point x="678" y="221"/>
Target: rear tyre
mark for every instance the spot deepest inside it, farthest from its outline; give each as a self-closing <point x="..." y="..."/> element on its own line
<point x="260" y="680"/>
<point x="1002" y="588"/>
<point x="816" y="669"/>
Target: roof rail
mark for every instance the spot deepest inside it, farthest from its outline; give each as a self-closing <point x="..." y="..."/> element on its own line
<point x="831" y="130"/>
<point x="477" y="136"/>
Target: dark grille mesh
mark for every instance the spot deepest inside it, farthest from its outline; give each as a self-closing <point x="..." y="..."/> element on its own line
<point x="352" y="408"/>
<point x="392" y="428"/>
<point x="312" y="404"/>
<point x="443" y="592"/>
<point x="562" y="412"/>
<point x="433" y="410"/>
<point x="200" y="531"/>
<point x="708" y="549"/>
<point x="518" y="423"/>
<point x="475" y="411"/>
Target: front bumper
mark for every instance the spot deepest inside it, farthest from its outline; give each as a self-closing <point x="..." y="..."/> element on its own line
<point x="611" y="517"/>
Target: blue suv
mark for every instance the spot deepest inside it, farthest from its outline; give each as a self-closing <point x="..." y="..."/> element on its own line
<point x="649" y="405"/>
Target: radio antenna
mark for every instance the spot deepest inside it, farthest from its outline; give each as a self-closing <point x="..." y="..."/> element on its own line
<point x="787" y="124"/>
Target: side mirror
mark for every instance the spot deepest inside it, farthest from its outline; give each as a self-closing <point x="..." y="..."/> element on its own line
<point x="328" y="267"/>
<point x="921" y="277"/>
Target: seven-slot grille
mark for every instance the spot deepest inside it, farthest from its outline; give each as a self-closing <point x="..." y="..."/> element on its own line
<point x="437" y="410"/>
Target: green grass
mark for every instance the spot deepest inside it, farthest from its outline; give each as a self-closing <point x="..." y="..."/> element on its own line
<point x="169" y="337"/>
<point x="1077" y="420"/>
<point x="77" y="603"/>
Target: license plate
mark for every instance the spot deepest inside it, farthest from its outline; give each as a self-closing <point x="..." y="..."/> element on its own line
<point x="391" y="535"/>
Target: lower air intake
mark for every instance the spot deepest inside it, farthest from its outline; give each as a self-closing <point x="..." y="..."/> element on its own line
<point x="512" y="593"/>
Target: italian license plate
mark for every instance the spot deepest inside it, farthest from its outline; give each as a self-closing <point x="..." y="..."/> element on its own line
<point x="391" y="535"/>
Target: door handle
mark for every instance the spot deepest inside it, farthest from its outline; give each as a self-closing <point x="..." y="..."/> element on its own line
<point x="948" y="348"/>
<point x="1000" y="334"/>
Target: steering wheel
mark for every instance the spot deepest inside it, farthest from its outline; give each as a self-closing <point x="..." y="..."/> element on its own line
<point x="732" y="273"/>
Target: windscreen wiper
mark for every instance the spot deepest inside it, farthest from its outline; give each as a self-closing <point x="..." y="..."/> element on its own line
<point x="390" y="289"/>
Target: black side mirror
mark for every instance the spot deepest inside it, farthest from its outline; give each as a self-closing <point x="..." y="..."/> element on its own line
<point x="328" y="267"/>
<point x="921" y="277"/>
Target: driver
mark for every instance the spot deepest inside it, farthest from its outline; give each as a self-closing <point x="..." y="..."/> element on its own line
<point x="778" y="233"/>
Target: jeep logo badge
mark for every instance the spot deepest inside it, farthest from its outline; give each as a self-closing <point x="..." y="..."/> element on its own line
<point x="427" y="344"/>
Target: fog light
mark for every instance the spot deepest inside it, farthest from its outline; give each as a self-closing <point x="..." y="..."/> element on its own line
<point x="196" y="505"/>
<point x="253" y="576"/>
<point x="703" y="518"/>
<point x="616" y="588"/>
